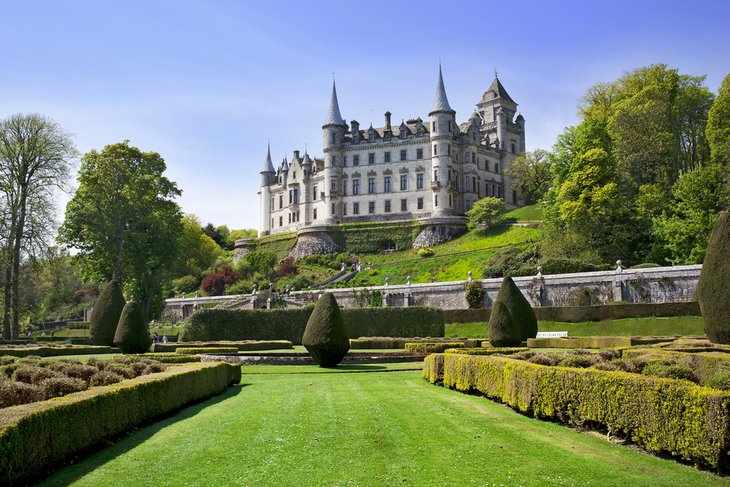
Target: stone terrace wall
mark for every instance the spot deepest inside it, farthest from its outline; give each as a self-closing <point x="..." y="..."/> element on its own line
<point x="653" y="285"/>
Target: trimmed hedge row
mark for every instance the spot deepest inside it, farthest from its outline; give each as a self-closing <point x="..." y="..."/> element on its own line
<point x="171" y="358"/>
<point x="241" y="346"/>
<point x="577" y="314"/>
<point x="432" y="347"/>
<point x="397" y="343"/>
<point x="487" y="351"/>
<point x="58" y="351"/>
<point x="661" y="415"/>
<point x="198" y="350"/>
<point x="580" y="342"/>
<point x="289" y="324"/>
<point x="704" y="364"/>
<point x="36" y="437"/>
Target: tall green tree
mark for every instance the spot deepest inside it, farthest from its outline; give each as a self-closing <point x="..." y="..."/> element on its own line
<point x="718" y="125"/>
<point x="124" y="221"/>
<point x="198" y="251"/>
<point x="36" y="158"/>
<point x="531" y="175"/>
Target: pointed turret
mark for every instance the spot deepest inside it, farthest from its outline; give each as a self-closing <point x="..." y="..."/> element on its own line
<point x="307" y="160"/>
<point x="498" y="90"/>
<point x="285" y="165"/>
<point x="268" y="165"/>
<point x="440" y="101"/>
<point x="333" y="115"/>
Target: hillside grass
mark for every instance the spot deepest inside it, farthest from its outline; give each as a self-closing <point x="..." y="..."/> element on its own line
<point x="451" y="261"/>
<point x="531" y="213"/>
<point x="376" y="427"/>
<point x="650" y="326"/>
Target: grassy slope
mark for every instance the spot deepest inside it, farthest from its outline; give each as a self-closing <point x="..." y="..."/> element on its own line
<point x="526" y="214"/>
<point x="443" y="265"/>
<point x="679" y="325"/>
<point x="364" y="429"/>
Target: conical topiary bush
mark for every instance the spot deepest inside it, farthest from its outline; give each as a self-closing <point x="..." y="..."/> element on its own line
<point x="132" y="335"/>
<point x="105" y="315"/>
<point x="325" y="336"/>
<point x="519" y="308"/>
<point x="503" y="331"/>
<point x="713" y="292"/>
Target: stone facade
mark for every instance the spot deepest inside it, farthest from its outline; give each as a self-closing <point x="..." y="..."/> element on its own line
<point x="415" y="170"/>
<point x="653" y="285"/>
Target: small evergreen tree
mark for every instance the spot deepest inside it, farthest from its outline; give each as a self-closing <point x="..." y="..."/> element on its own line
<point x="105" y="315"/>
<point x="325" y="336"/>
<point x="503" y="331"/>
<point x="521" y="315"/>
<point x="132" y="335"/>
<point x="712" y="289"/>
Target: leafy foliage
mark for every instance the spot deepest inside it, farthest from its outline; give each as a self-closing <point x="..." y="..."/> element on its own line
<point x="474" y="294"/>
<point x="531" y="175"/>
<point x="105" y="315"/>
<point x="132" y="335"/>
<point x="215" y="283"/>
<point x="486" y="212"/>
<point x="325" y="336"/>
<point x="712" y="288"/>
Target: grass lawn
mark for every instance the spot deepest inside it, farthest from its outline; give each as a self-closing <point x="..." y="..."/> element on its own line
<point x="529" y="213"/>
<point x="377" y="428"/>
<point x="676" y="325"/>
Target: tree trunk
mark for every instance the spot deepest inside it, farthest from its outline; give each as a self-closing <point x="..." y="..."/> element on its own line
<point x="7" y="293"/>
<point x="20" y="227"/>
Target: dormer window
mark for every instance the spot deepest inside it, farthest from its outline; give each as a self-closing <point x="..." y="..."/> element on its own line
<point x="371" y="136"/>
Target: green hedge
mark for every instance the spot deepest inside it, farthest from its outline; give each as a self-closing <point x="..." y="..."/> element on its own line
<point x="36" y="437"/>
<point x="289" y="324"/>
<point x="198" y="350"/>
<point x="580" y="342"/>
<point x="487" y="351"/>
<point x="432" y="347"/>
<point x="171" y="358"/>
<point x="391" y="342"/>
<point x="577" y="314"/>
<point x="42" y="351"/>
<point x="661" y="415"/>
<point x="367" y="237"/>
<point x="241" y="346"/>
<point x="704" y="364"/>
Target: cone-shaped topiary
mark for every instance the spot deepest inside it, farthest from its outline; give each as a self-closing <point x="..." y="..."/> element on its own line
<point x="105" y="315"/>
<point x="503" y="331"/>
<point x="519" y="308"/>
<point x="713" y="292"/>
<point x="325" y="336"/>
<point x="132" y="335"/>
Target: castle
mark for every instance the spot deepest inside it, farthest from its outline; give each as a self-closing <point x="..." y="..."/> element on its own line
<point x="428" y="171"/>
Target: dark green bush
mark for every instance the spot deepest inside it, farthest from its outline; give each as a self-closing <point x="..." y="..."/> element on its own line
<point x="29" y="443"/>
<point x="105" y="315"/>
<point x="474" y="294"/>
<point x="432" y="347"/>
<point x="712" y="288"/>
<point x="289" y="324"/>
<point x="172" y="358"/>
<point x="503" y="331"/>
<point x="487" y="351"/>
<point x="325" y="336"/>
<point x="561" y="265"/>
<point x="394" y="343"/>
<point x="512" y="262"/>
<point x="580" y="361"/>
<point x="719" y="381"/>
<point x="241" y="346"/>
<point x="674" y="371"/>
<point x="580" y="342"/>
<point x="197" y="350"/>
<point x="664" y="416"/>
<point x="132" y="335"/>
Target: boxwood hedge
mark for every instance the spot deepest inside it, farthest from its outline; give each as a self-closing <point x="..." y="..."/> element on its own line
<point x="198" y="350"/>
<point x="241" y="346"/>
<point x="432" y="347"/>
<point x="35" y="437"/>
<point x="580" y="342"/>
<point x="42" y="351"/>
<point x="661" y="415"/>
<point x="394" y="343"/>
<point x="289" y="324"/>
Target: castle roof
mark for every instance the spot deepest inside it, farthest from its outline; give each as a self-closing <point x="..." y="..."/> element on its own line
<point x="440" y="101"/>
<point x="268" y="165"/>
<point x="498" y="90"/>
<point x="333" y="114"/>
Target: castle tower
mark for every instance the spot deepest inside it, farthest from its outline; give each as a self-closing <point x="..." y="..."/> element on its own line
<point x="267" y="177"/>
<point x="443" y="127"/>
<point x="497" y="110"/>
<point x="333" y="132"/>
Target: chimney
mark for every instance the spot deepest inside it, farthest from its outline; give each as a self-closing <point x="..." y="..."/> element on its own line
<point x="387" y="120"/>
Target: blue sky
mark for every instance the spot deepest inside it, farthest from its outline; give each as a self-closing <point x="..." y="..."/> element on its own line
<point x="206" y="84"/>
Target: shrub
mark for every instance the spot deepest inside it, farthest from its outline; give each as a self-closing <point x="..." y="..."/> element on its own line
<point x="712" y="290"/>
<point x="105" y="378"/>
<point x="605" y="355"/>
<point x="105" y="315"/>
<point x="241" y="346"/>
<point x="214" y="284"/>
<point x="488" y="351"/>
<point x="34" y="375"/>
<point x="215" y="350"/>
<point x="518" y="307"/>
<point x="674" y="371"/>
<point x="432" y="347"/>
<point x="545" y="359"/>
<point x="580" y="361"/>
<point x="503" y="332"/>
<point x="512" y="262"/>
<point x="325" y="336"/>
<point x="660" y="415"/>
<point x="30" y="443"/>
<point x="15" y="393"/>
<point x="425" y="252"/>
<point x="561" y="265"/>
<point x="60" y="386"/>
<point x="171" y="358"/>
<point x="79" y="371"/>
<point x="289" y="324"/>
<point x="185" y="284"/>
<point x="474" y="294"/>
<point x="132" y="335"/>
<point x="7" y="360"/>
<point x="487" y="212"/>
<point x="121" y="369"/>
<point x="719" y="381"/>
<point x="580" y="342"/>
<point x="286" y="267"/>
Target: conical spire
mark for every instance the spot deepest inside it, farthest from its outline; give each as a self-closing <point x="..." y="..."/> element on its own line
<point x="498" y="90"/>
<point x="440" y="102"/>
<point x="268" y="165"/>
<point x="333" y="115"/>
